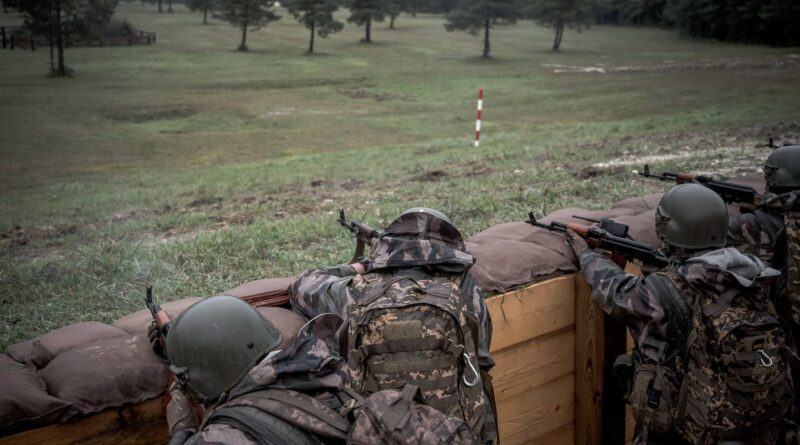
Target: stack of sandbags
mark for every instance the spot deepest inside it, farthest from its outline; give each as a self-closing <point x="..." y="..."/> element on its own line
<point x="79" y="369"/>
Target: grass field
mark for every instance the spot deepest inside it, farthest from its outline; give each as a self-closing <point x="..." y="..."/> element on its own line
<point x="195" y="167"/>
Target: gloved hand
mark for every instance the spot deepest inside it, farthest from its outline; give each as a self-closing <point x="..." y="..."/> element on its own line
<point x="747" y="207"/>
<point x="155" y="340"/>
<point x="180" y="416"/>
<point x="576" y="241"/>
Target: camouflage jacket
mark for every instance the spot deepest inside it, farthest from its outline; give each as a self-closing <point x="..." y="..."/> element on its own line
<point x="309" y="367"/>
<point x="330" y="290"/>
<point x="645" y="304"/>
<point x="770" y="234"/>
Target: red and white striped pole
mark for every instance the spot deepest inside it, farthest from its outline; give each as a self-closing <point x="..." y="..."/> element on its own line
<point x="478" y="119"/>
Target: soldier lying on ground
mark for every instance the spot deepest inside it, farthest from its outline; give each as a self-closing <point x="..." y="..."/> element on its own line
<point x="256" y="384"/>
<point x="710" y="358"/>
<point x="414" y="316"/>
<point x="772" y="231"/>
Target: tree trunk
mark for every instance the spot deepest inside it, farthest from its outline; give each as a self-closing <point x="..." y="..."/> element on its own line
<point x="391" y="21"/>
<point x="169" y="5"/>
<point x="311" y="42"/>
<point x="159" y="5"/>
<point x="62" y="69"/>
<point x="243" y="45"/>
<point x="559" y="35"/>
<point x="368" y="31"/>
<point x="205" y="15"/>
<point x="486" y="46"/>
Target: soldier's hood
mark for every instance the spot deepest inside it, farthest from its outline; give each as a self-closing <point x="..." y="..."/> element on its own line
<point x="722" y="268"/>
<point x="311" y="362"/>
<point x="420" y="239"/>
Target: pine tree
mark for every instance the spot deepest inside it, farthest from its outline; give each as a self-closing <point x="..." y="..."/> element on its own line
<point x="201" y="5"/>
<point x="394" y="8"/>
<point x="364" y="12"/>
<point x="476" y="15"/>
<point x="317" y="16"/>
<point x="247" y="15"/>
<point x="559" y="14"/>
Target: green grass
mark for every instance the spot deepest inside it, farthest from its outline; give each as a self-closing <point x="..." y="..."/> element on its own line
<point x="196" y="167"/>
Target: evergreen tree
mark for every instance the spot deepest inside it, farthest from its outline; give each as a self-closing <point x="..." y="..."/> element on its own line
<point x="559" y="14"/>
<point x="394" y="8"/>
<point x="317" y="16"/>
<point x="247" y="15"/>
<point x="61" y="20"/>
<point x="364" y="12"/>
<point x="201" y="5"/>
<point x="476" y="15"/>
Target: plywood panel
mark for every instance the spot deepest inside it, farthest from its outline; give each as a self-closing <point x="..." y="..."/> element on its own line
<point x="528" y="365"/>
<point x="562" y="436"/>
<point x="528" y="313"/>
<point x="140" y="424"/>
<point x="540" y="411"/>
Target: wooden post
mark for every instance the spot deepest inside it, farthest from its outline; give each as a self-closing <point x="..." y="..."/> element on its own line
<point x="599" y="407"/>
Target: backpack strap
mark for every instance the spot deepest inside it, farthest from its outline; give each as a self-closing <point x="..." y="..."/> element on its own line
<point x="723" y="302"/>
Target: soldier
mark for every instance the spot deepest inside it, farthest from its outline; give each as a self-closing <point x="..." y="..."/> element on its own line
<point x="710" y="358"/>
<point x="415" y="316"/>
<point x="256" y="383"/>
<point x="771" y="230"/>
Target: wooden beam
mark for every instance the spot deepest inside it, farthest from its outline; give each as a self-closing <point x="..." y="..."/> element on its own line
<point x="144" y="423"/>
<point x="531" y="312"/>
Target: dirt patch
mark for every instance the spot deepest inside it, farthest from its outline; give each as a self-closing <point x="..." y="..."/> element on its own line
<point x="351" y="184"/>
<point x="151" y="114"/>
<point x="730" y="64"/>
<point x="363" y="93"/>
<point x="319" y="182"/>
<point x="480" y="171"/>
<point x="205" y="202"/>
<point x="242" y="218"/>
<point x="432" y="175"/>
<point x="17" y="236"/>
<point x="593" y="172"/>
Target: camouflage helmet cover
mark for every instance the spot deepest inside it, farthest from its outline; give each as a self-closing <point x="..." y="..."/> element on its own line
<point x="690" y="216"/>
<point x="425" y="223"/>
<point x="782" y="168"/>
<point x="214" y="343"/>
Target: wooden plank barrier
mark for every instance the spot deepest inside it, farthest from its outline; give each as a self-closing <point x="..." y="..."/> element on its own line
<point x="550" y="379"/>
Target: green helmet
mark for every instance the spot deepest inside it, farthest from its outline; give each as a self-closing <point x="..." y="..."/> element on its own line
<point x="433" y="212"/>
<point x="690" y="216"/>
<point x="215" y="342"/>
<point x="782" y="169"/>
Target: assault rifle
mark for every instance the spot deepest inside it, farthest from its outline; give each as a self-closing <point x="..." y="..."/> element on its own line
<point x="160" y="317"/>
<point x="599" y="238"/>
<point x="730" y="192"/>
<point x="364" y="235"/>
<point x="609" y="225"/>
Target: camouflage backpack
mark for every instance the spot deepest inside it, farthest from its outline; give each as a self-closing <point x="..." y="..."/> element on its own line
<point x="413" y="328"/>
<point x="791" y="222"/>
<point x="736" y="381"/>
<point x="392" y="417"/>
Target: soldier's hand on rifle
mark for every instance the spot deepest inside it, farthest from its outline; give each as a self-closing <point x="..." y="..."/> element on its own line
<point x="156" y="343"/>
<point x="359" y="268"/>
<point x="576" y="241"/>
<point x="747" y="207"/>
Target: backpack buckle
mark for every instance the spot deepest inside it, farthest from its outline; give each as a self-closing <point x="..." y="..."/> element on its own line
<point x="474" y="372"/>
<point x="768" y="362"/>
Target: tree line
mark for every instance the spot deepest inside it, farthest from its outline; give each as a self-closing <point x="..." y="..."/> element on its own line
<point x="773" y="22"/>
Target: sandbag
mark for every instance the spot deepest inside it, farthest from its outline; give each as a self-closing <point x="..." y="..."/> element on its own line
<point x="106" y="374"/>
<point x="266" y="292"/>
<point x="639" y="204"/>
<point x="39" y="351"/>
<point x="24" y="401"/>
<point x="286" y="321"/>
<point x="137" y="322"/>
